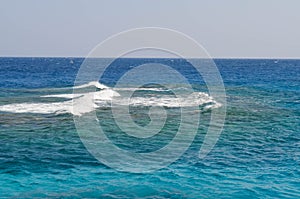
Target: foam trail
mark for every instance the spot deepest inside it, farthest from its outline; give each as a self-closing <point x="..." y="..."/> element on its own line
<point x="105" y="97"/>
<point x="195" y="99"/>
<point x="41" y="108"/>
<point x="66" y="96"/>
<point x="140" y="89"/>
<point x="106" y="94"/>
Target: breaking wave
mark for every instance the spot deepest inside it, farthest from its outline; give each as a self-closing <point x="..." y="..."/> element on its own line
<point x="105" y="97"/>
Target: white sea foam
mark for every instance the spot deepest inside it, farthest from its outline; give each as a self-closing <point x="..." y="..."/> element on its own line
<point x="195" y="99"/>
<point x="140" y="89"/>
<point x="94" y="83"/>
<point x="105" y="98"/>
<point x="42" y="108"/>
<point x="66" y="96"/>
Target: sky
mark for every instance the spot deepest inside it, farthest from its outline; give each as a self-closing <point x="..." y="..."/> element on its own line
<point x="226" y="29"/>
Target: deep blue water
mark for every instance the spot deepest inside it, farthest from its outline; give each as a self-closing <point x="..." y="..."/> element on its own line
<point x="257" y="155"/>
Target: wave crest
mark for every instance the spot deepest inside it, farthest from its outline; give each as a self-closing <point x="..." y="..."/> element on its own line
<point x="105" y="98"/>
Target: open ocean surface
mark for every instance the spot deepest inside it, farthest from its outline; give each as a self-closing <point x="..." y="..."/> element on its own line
<point x="257" y="155"/>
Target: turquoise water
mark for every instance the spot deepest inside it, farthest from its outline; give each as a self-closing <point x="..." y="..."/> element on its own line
<point x="257" y="155"/>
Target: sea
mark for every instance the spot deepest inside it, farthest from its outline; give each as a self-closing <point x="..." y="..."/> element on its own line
<point x="43" y="155"/>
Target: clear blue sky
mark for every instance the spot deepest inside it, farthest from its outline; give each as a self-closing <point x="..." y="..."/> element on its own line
<point x="231" y="28"/>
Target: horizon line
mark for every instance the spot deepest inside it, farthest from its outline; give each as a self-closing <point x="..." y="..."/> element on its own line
<point x="158" y="57"/>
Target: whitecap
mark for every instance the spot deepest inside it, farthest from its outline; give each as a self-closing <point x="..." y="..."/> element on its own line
<point x="106" y="97"/>
<point x="93" y="83"/>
